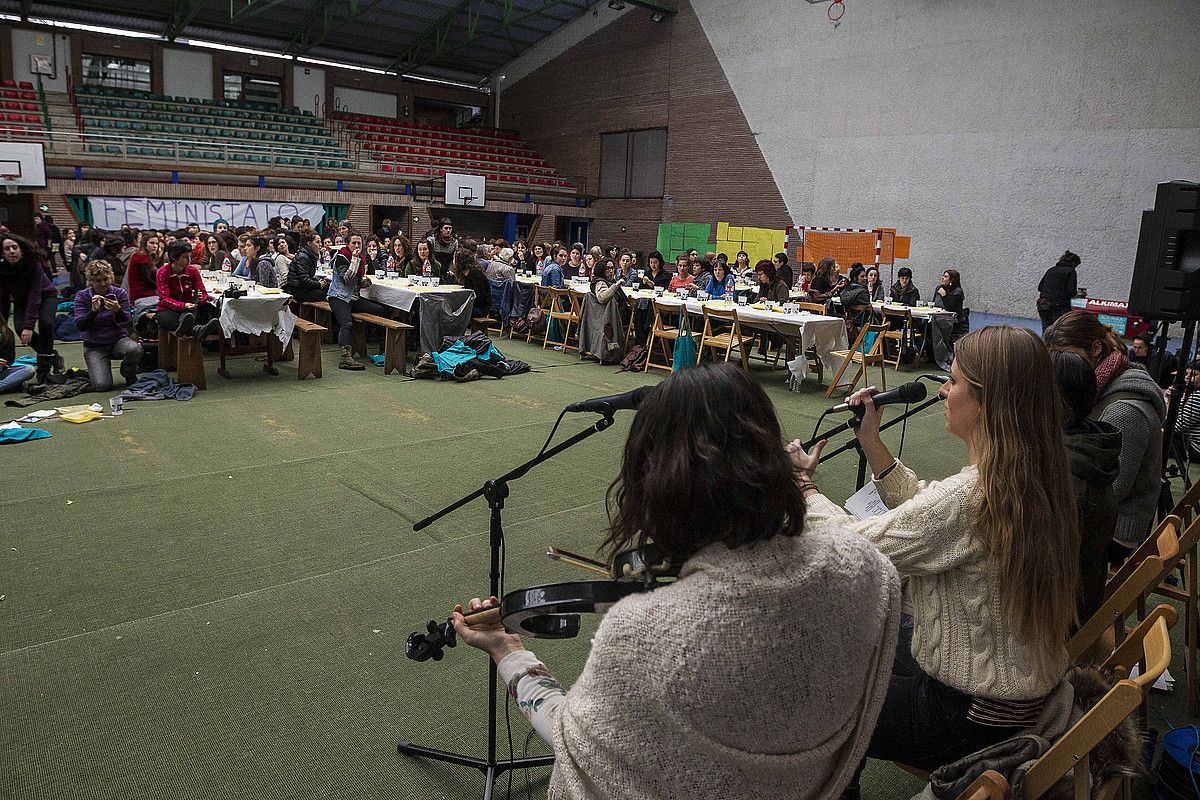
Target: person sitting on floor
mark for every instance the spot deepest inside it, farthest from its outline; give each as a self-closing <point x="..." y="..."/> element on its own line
<point x="683" y="278"/>
<point x="104" y="316"/>
<point x="990" y="553"/>
<point x="552" y="273"/>
<point x="12" y="376"/>
<point x="349" y="270"/>
<point x="182" y="299"/>
<point x="770" y="285"/>
<point x="666" y="705"/>
<point x="468" y="275"/>
<point x="302" y="282"/>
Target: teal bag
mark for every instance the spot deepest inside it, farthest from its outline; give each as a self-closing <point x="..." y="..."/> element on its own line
<point x="685" y="346"/>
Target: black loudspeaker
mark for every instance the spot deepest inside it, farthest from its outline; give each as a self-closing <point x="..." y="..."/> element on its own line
<point x="1166" y="274"/>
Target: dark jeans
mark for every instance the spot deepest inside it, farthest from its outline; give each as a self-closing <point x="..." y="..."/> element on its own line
<point x="344" y="322"/>
<point x="99" y="358"/>
<point x="43" y="336"/>
<point x="169" y="319"/>
<point x="924" y="722"/>
<point x="307" y="295"/>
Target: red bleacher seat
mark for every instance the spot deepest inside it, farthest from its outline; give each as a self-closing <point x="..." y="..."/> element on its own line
<point x="13" y="117"/>
<point x="28" y="96"/>
<point x="26" y="85"/>
<point x="12" y="105"/>
<point x="387" y="167"/>
<point x="8" y="84"/>
<point x="36" y="119"/>
<point x="29" y="107"/>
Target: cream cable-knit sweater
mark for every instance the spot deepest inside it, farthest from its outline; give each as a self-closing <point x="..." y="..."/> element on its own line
<point x="959" y="633"/>
<point x="759" y="674"/>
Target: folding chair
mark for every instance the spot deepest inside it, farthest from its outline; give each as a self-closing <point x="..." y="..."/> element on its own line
<point x="542" y="299"/>
<point x="726" y="340"/>
<point x="564" y="305"/>
<point x="900" y="331"/>
<point x="662" y="331"/>
<point x="1138" y="576"/>
<point x="861" y="355"/>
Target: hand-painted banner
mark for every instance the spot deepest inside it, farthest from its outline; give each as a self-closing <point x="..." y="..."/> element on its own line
<point x="110" y="213"/>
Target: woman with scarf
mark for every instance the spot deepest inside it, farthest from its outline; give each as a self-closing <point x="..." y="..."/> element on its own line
<point x="349" y="271"/>
<point x="665" y="705"/>
<point x="26" y="292"/>
<point x="1128" y="399"/>
<point x="443" y="244"/>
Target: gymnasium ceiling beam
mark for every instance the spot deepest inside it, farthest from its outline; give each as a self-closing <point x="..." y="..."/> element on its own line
<point x="185" y="12"/>
<point x="315" y="27"/>
<point x="431" y="45"/>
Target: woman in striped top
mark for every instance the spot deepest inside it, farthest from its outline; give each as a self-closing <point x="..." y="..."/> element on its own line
<point x="1187" y="424"/>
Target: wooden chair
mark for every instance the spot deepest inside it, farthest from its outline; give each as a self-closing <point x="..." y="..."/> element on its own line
<point x="814" y="359"/>
<point x="812" y="308"/>
<point x="900" y="332"/>
<point x="542" y="299"/>
<point x="1149" y="642"/>
<point x="663" y="332"/>
<point x="564" y="306"/>
<point x="990" y="785"/>
<point x="1140" y="573"/>
<point x="862" y="356"/>
<point x="725" y="341"/>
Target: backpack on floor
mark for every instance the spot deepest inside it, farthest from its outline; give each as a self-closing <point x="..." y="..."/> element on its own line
<point x="635" y="359"/>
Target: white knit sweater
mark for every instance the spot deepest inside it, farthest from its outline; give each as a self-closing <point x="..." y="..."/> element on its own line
<point x="959" y="634"/>
<point x="759" y="674"/>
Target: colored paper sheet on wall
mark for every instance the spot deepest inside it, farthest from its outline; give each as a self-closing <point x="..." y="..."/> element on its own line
<point x="759" y="243"/>
<point x="676" y="237"/>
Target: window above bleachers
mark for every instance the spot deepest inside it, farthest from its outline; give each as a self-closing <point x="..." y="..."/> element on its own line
<point x="115" y="73"/>
<point x="253" y="89"/>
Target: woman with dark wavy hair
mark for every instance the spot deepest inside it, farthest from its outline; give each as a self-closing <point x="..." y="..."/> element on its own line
<point x="27" y="292"/>
<point x="716" y="685"/>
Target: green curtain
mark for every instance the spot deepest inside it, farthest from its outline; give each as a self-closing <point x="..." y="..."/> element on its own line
<point x="336" y="211"/>
<point x="81" y="207"/>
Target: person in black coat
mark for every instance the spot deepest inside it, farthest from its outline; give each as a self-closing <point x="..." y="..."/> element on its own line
<point x="1056" y="289"/>
<point x="1094" y="448"/>
<point x="302" y="282"/>
<point x="949" y="296"/>
<point x="466" y="273"/>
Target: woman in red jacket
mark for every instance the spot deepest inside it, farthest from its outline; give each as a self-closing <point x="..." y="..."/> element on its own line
<point x="25" y="287"/>
<point x="182" y="299"/>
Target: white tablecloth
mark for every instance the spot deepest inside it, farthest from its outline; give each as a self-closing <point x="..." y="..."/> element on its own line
<point x="256" y="313"/>
<point x="813" y="330"/>
<point x="918" y="312"/>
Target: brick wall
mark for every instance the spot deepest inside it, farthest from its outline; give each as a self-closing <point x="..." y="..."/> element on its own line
<point x="639" y="74"/>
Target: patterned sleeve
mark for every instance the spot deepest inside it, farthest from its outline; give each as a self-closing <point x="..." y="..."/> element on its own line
<point x="538" y="694"/>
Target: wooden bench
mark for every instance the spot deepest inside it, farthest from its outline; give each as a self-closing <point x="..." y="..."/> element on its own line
<point x="318" y="311"/>
<point x="185" y="355"/>
<point x="310" y="349"/>
<point x="395" y="341"/>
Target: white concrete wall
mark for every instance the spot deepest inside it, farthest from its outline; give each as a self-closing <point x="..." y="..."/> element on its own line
<point x="308" y="88"/>
<point x="188" y="73"/>
<point x="995" y="134"/>
<point x="57" y="46"/>
<point x="361" y="101"/>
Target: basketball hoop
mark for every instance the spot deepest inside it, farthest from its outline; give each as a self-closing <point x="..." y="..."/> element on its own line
<point x="10" y="182"/>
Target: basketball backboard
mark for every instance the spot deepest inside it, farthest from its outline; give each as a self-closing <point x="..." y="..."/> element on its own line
<point x="464" y="190"/>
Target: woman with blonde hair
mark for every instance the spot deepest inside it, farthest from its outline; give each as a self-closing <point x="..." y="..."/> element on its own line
<point x="990" y="553"/>
<point x="104" y="317"/>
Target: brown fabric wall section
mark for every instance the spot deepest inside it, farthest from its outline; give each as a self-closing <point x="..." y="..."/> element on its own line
<point x="639" y="74"/>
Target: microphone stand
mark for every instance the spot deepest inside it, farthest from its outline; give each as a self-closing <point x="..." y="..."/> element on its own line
<point x="495" y="491"/>
<point x="852" y="424"/>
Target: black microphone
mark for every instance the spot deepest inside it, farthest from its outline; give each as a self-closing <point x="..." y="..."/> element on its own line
<point x="938" y="378"/>
<point x="913" y="392"/>
<point x="614" y="402"/>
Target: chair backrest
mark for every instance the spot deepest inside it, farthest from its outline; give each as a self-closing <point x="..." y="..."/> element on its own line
<point x="812" y="308"/>
<point x="1151" y="642"/>
<point x="1147" y="548"/>
<point x="876" y="347"/>
<point x="899" y="317"/>
<point x="670" y="309"/>
<point x="990" y="785"/>
<point x="1143" y="577"/>
<point x="1188" y="505"/>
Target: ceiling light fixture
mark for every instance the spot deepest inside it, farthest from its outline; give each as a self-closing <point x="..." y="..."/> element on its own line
<point x="234" y="49"/>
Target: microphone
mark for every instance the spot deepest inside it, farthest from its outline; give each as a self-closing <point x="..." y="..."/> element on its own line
<point x="614" y="402"/>
<point x="938" y="378"/>
<point x="912" y="392"/>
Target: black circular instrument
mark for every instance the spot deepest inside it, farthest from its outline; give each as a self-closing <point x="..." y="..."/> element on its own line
<point x="552" y="611"/>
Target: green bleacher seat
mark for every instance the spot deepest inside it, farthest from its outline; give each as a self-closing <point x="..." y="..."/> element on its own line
<point x="308" y="162"/>
<point x="282" y="160"/>
<point x="162" y="152"/>
<point x="113" y="149"/>
<point x="191" y="154"/>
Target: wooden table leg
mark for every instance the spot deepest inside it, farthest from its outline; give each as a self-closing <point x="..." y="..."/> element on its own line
<point x="191" y="362"/>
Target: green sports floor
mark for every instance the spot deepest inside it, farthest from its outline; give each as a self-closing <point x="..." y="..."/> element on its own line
<point x="209" y="599"/>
